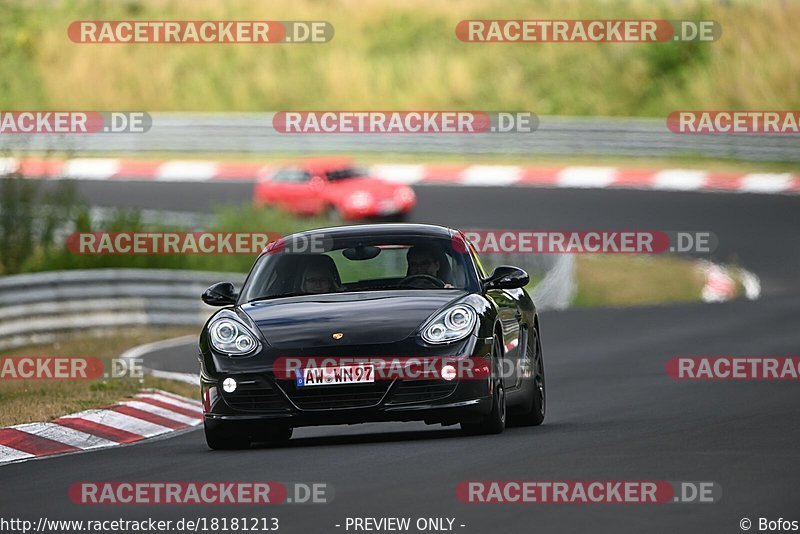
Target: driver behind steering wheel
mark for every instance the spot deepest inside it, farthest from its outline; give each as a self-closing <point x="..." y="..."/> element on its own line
<point x="423" y="260"/>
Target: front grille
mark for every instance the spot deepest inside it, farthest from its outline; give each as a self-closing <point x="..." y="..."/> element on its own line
<point x="421" y="391"/>
<point x="335" y="396"/>
<point x="255" y="394"/>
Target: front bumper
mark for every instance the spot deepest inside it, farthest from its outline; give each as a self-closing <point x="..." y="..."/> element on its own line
<point x="260" y="396"/>
<point x="381" y="208"/>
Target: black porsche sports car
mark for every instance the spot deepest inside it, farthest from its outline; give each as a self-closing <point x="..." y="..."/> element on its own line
<point x="383" y="322"/>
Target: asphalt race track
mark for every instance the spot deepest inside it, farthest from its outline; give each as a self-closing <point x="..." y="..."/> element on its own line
<point x="613" y="412"/>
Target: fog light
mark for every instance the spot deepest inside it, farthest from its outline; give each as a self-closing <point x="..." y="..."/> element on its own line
<point x="229" y="385"/>
<point x="448" y="372"/>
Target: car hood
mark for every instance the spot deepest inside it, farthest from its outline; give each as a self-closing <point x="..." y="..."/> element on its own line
<point x="364" y="318"/>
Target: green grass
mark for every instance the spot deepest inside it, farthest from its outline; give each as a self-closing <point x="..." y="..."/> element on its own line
<point x="228" y="219"/>
<point x="27" y="401"/>
<point x="631" y="280"/>
<point x="402" y="55"/>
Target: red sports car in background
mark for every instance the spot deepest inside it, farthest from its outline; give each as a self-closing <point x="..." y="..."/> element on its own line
<point x="335" y="187"/>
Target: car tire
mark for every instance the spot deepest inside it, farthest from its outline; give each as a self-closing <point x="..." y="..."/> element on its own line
<point x="535" y="408"/>
<point x="396" y="218"/>
<point x="333" y="214"/>
<point x="495" y="421"/>
<point x="224" y="436"/>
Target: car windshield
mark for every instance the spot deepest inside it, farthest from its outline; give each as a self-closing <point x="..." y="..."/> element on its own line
<point x="345" y="173"/>
<point x="346" y="265"/>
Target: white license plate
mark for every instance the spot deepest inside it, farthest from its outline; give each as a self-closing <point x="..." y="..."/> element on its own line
<point x="387" y="208"/>
<point x="343" y="374"/>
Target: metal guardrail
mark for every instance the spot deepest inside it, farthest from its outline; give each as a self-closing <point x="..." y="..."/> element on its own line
<point x="34" y="308"/>
<point x="557" y="136"/>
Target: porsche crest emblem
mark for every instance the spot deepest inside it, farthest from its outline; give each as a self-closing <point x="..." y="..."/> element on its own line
<point x="338" y="335"/>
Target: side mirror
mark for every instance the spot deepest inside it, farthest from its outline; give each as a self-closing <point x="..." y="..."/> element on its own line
<point x="220" y="294"/>
<point x="506" y="277"/>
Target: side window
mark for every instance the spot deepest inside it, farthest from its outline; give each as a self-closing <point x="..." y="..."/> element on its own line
<point x="302" y="176"/>
<point x="282" y="175"/>
<point x="291" y="175"/>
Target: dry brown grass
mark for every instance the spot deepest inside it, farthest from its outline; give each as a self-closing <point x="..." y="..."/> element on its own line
<point x="26" y="401"/>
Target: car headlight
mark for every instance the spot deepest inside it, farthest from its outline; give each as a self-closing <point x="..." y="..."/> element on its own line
<point x="232" y="338"/>
<point x="450" y="325"/>
<point x="404" y="195"/>
<point x="361" y="200"/>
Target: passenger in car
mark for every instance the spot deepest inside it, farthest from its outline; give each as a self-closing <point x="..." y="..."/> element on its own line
<point x="320" y="276"/>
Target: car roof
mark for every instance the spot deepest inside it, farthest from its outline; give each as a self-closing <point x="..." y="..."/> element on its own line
<point x="324" y="164"/>
<point x="386" y="229"/>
